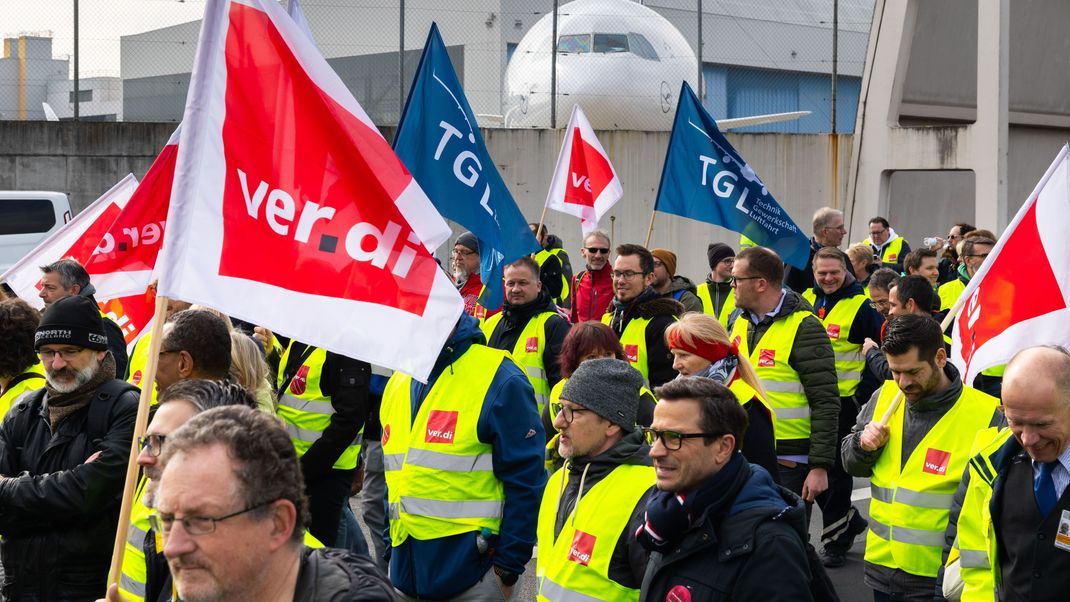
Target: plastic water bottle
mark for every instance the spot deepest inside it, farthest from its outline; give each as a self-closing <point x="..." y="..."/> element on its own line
<point x="930" y="241"/>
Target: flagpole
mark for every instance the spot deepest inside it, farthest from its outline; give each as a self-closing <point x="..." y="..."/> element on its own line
<point x="891" y="409"/>
<point x="953" y="313"/>
<point x="147" y="382"/>
<point x="542" y="220"/>
<point x="650" y="230"/>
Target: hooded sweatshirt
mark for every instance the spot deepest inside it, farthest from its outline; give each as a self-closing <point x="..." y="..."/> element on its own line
<point x="683" y="290"/>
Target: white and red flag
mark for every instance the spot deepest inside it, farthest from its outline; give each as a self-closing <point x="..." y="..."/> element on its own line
<point x="1020" y="296"/>
<point x="585" y="184"/>
<point x="290" y="210"/>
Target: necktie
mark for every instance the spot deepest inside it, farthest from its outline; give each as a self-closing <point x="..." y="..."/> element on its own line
<point x="1044" y="489"/>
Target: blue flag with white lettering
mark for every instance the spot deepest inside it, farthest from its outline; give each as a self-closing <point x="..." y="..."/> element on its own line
<point x="440" y="143"/>
<point x="705" y="179"/>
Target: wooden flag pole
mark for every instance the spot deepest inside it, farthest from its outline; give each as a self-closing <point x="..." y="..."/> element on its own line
<point x="650" y="230"/>
<point x="951" y="315"/>
<point x="542" y="220"/>
<point x="140" y="424"/>
<point x="891" y="409"/>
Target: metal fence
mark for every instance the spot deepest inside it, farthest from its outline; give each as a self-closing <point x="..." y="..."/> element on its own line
<point x="622" y="61"/>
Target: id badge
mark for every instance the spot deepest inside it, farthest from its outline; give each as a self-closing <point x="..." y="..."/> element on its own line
<point x="1062" y="536"/>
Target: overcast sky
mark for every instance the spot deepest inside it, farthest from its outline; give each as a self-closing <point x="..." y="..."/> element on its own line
<point x="101" y="22"/>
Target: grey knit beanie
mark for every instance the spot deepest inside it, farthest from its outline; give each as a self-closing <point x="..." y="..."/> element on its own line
<point x="608" y="387"/>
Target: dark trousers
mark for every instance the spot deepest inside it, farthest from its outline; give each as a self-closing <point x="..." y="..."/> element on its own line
<point x="792" y="478"/>
<point x="326" y="497"/>
<point x="836" y="509"/>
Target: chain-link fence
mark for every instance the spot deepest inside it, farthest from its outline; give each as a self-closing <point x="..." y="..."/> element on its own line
<point x="622" y="61"/>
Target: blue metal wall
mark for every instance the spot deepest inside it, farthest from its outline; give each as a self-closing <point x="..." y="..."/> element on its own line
<point x="733" y="91"/>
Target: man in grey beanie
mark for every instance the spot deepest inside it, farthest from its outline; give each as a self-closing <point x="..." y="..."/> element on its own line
<point x="601" y="492"/>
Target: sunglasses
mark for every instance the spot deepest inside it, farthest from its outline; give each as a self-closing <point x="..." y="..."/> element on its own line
<point x="597" y="250"/>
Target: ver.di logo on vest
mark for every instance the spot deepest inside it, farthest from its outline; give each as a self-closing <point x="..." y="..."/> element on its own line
<point x="766" y="358"/>
<point x="532" y="345"/>
<point x="833" y="331"/>
<point x="582" y="547"/>
<point x="631" y="352"/>
<point x="441" y="426"/>
<point x="297" y="385"/>
<point x="936" y="461"/>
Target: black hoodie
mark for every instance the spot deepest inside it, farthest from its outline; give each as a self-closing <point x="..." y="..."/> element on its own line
<point x="516" y="317"/>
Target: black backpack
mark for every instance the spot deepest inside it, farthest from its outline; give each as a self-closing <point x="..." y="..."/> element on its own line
<point x="100" y="408"/>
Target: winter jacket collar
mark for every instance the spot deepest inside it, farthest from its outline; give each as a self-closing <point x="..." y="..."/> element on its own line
<point x="587" y="472"/>
<point x="647" y="305"/>
<point x="680" y="283"/>
<point x="721" y="287"/>
<point x="331" y="575"/>
<point x="850" y="288"/>
<point x="791" y="303"/>
<point x="892" y="236"/>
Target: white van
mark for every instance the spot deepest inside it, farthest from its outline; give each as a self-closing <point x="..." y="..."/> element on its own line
<point x="26" y="218"/>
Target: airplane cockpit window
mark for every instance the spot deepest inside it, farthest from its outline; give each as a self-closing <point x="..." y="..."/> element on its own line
<point x="607" y="43"/>
<point x="576" y="43"/>
<point x="642" y="47"/>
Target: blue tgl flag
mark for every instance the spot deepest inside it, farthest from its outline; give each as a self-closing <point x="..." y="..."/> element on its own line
<point x="705" y="179"/>
<point x="440" y="143"/>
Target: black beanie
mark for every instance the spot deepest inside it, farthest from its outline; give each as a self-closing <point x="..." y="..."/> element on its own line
<point x="72" y="321"/>
<point x="718" y="251"/>
<point x="468" y="241"/>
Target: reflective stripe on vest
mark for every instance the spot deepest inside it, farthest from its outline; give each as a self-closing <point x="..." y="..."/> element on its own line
<point x="306" y="412"/>
<point x="541" y="257"/>
<point x="850" y="361"/>
<point x="439" y="475"/>
<point x="139" y="359"/>
<point x="780" y="381"/>
<point x="528" y="351"/>
<point x="729" y="305"/>
<point x="134" y="573"/>
<point x="633" y="340"/>
<point x="892" y="253"/>
<point x="911" y="501"/>
<point x="976" y="535"/>
<point x="575" y="564"/>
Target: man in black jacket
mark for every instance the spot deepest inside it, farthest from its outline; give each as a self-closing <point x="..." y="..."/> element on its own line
<point x="717" y="527"/>
<point x="63" y="456"/>
<point x="66" y="278"/>
<point x="232" y="509"/>
<point x="828" y="232"/>
<point x="555" y="269"/>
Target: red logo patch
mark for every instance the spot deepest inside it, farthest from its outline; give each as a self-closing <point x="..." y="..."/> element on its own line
<point x="582" y="548"/>
<point x="833" y="330"/>
<point x="532" y="345"/>
<point x="386" y="434"/>
<point x="632" y="353"/>
<point x="679" y="593"/>
<point x="892" y="257"/>
<point x="136" y="378"/>
<point x="297" y="385"/>
<point x="766" y="358"/>
<point x="441" y="425"/>
<point x="936" y="461"/>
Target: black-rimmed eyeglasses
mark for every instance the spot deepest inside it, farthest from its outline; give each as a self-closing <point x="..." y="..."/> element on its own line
<point x="196" y="525"/>
<point x="673" y="440"/>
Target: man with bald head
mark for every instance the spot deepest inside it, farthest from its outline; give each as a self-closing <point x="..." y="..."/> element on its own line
<point x="1013" y="529"/>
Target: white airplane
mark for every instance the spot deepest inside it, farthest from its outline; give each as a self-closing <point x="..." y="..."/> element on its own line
<point x="621" y="61"/>
<point x="50" y="115"/>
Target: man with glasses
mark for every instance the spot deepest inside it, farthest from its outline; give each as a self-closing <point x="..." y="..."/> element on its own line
<point x="464" y="263"/>
<point x="849" y="320"/>
<point x="716" y="523"/>
<point x="592" y="507"/>
<point x="975" y="250"/>
<point x="592" y="289"/>
<point x="888" y="247"/>
<point x="639" y="315"/>
<point x="145" y="575"/>
<point x="717" y="295"/>
<point x="231" y="510"/>
<point x="792" y="355"/>
<point x="949" y="262"/>
<point x="196" y="344"/>
<point x="63" y="456"/>
<point x="828" y="232"/>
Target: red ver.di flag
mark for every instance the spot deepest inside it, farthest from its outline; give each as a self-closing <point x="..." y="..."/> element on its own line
<point x="290" y="210"/>
<point x="585" y="184"/>
<point x="1006" y="308"/>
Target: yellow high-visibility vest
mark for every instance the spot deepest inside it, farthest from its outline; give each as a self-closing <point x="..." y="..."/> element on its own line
<point x="708" y="308"/>
<point x="134" y="574"/>
<point x="540" y="258"/>
<point x="780" y="381"/>
<point x="439" y="475"/>
<point x="892" y="253"/>
<point x="306" y="412"/>
<point x="139" y="359"/>
<point x="528" y="351"/>
<point x="32" y="383"/>
<point x="911" y="501"/>
<point x="575" y="564"/>
<point x="850" y="361"/>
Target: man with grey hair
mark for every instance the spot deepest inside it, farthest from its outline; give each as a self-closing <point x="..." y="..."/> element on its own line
<point x="67" y="278"/>
<point x="828" y="232"/>
<point x="1013" y="499"/>
<point x="144" y="574"/>
<point x="592" y="289"/>
<point x="232" y="509"/>
<point x="63" y="456"/>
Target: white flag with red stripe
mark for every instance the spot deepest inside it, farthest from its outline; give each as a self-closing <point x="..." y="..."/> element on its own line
<point x="77" y="240"/>
<point x="585" y="184"/>
<point x="1020" y="296"/>
<point x="290" y="210"/>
